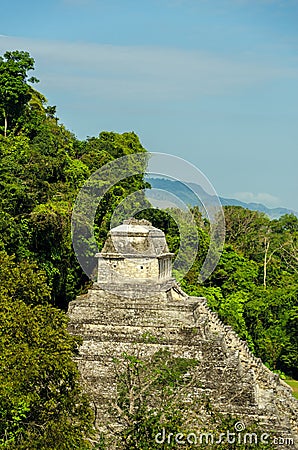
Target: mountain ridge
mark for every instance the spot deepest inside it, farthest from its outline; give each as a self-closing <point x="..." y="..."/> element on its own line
<point x="187" y="192"/>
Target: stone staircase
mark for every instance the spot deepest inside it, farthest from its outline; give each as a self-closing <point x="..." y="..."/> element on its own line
<point x="235" y="381"/>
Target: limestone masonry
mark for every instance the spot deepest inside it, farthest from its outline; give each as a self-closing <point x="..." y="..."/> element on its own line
<point x="135" y="294"/>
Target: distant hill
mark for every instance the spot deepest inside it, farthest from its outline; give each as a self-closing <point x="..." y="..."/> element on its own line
<point x="187" y="193"/>
<point x="273" y="213"/>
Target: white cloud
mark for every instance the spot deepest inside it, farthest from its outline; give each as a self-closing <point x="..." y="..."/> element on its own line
<point x="261" y="197"/>
<point x="145" y="73"/>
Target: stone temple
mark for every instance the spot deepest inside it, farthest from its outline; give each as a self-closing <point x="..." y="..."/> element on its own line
<point x="135" y="259"/>
<point x="135" y="294"/>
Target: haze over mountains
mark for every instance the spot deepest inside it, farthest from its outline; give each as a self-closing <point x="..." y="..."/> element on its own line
<point x="192" y="194"/>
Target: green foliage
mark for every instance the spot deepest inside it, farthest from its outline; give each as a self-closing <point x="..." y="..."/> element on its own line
<point x="272" y="322"/>
<point x="234" y="272"/>
<point x="14" y="89"/>
<point x="41" y="403"/>
<point x="23" y="281"/>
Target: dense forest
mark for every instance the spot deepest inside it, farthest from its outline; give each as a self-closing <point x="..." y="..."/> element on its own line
<point x="43" y="165"/>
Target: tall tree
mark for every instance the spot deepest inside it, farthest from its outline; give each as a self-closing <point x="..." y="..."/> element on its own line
<point x="14" y="89"/>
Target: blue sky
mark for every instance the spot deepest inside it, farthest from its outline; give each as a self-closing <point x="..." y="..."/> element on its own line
<point x="214" y="82"/>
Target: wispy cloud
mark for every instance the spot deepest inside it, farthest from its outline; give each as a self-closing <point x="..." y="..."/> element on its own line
<point x="147" y="73"/>
<point x="260" y="197"/>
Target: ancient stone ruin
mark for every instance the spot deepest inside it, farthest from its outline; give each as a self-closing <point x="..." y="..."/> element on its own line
<point x="135" y="294"/>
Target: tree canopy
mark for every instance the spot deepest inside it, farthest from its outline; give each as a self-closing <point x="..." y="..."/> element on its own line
<point x="15" y="93"/>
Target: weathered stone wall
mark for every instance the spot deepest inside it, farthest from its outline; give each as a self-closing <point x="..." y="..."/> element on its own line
<point x="114" y="268"/>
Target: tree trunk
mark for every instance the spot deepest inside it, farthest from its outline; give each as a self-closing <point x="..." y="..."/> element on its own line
<point x="266" y="244"/>
<point x="5" y="124"/>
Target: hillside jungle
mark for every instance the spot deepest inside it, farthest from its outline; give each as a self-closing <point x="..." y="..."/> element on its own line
<point x="43" y="165"/>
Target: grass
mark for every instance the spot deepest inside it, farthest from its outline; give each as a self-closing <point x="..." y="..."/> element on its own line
<point x="294" y="386"/>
